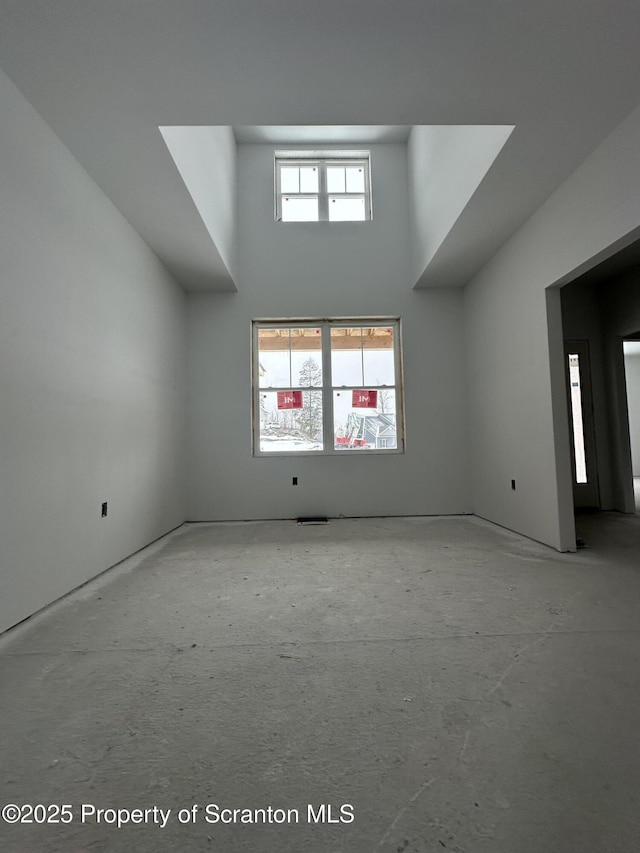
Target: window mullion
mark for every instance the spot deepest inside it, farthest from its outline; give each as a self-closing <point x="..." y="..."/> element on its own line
<point x="278" y="193"/>
<point x="323" y="198"/>
<point x="367" y="189"/>
<point x="399" y="386"/>
<point x="255" y="372"/>
<point x="327" y="390"/>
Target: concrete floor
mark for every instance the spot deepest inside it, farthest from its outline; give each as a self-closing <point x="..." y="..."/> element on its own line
<point x="463" y="688"/>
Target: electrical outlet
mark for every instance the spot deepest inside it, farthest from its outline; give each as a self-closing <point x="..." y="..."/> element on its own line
<point x="513" y="485"/>
<point x="104" y="509"/>
<point x="295" y="481"/>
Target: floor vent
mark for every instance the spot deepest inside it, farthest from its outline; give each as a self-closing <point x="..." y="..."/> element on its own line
<point x="313" y="519"/>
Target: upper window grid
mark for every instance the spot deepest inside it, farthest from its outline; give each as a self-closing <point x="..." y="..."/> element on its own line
<point x="323" y="190"/>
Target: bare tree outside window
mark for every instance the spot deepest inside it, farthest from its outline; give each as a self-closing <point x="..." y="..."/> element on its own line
<point x="309" y="418"/>
<point x="385" y="403"/>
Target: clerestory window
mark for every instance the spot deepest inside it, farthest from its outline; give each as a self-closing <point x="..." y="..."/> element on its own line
<point x="313" y="186"/>
<point x="327" y="386"/>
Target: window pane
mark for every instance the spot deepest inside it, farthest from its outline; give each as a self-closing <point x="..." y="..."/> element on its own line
<point x="299" y="209"/>
<point x="308" y="179"/>
<point x="290" y="429"/>
<point x="309" y="418"/>
<point x="289" y="357"/>
<point x="306" y="357"/>
<point x="346" y="209"/>
<point x="365" y="429"/>
<point x="274" y="363"/>
<point x="346" y="356"/>
<point x="290" y="179"/>
<point x="355" y="179"/>
<point x="378" y="356"/>
<point x="274" y="370"/>
<point x="362" y="356"/>
<point x="335" y="179"/>
<point x="346" y="369"/>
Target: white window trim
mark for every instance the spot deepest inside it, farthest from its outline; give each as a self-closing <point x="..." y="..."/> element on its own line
<point x="322" y="159"/>
<point x="327" y="387"/>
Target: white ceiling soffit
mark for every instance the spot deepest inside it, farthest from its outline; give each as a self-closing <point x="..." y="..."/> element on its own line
<point x="632" y="348"/>
<point x="206" y="160"/>
<point x="447" y="164"/>
<point x="106" y="75"/>
<point x="362" y="134"/>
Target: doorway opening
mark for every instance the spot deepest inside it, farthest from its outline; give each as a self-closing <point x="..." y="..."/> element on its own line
<point x="600" y="316"/>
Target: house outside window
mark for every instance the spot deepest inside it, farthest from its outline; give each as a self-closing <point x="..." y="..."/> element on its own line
<point x="312" y="186"/>
<point x="330" y="386"/>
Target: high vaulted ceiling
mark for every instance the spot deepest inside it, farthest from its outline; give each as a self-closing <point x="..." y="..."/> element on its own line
<point x="105" y="74"/>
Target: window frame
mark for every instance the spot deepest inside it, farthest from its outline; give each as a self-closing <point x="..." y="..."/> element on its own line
<point x="326" y="324"/>
<point x="322" y="160"/>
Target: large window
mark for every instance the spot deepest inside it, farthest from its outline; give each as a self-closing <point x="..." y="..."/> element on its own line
<point x="322" y="186"/>
<point x="330" y="386"/>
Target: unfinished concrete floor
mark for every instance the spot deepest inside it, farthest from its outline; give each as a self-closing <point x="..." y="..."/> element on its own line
<point x="463" y="688"/>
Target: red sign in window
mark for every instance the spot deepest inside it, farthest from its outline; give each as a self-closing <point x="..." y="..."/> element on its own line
<point x="289" y="399"/>
<point x="364" y="399"/>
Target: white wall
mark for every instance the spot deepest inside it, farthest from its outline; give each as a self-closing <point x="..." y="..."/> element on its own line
<point x="91" y="374"/>
<point x="514" y="334"/>
<point x="632" y="369"/>
<point x="325" y="269"/>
